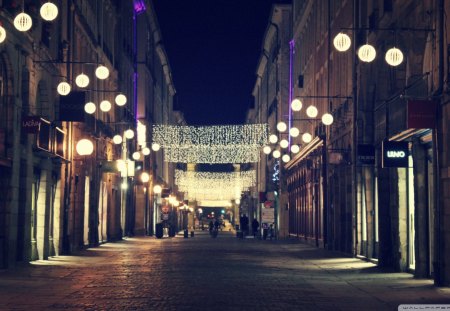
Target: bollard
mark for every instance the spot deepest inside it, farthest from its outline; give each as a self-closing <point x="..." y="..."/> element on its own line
<point x="186" y="234"/>
<point x="192" y="234"/>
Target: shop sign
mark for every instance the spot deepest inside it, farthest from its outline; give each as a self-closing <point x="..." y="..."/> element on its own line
<point x="366" y="154"/>
<point x="395" y="154"/>
<point x="267" y="215"/>
<point x="31" y="124"/>
<point x="421" y="114"/>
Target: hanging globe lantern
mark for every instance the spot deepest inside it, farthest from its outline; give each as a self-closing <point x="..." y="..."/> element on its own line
<point x="294" y="132"/>
<point x="312" y="111"/>
<point x="23" y="22"/>
<point x="84" y="147"/>
<point x="121" y="100"/>
<point x="296" y="104"/>
<point x="90" y="107"/>
<point x="367" y="53"/>
<point x="136" y="155"/>
<point x="284" y="143"/>
<point x="146" y="151"/>
<point x="295" y="148"/>
<point x="82" y="80"/>
<point x="394" y="57"/>
<point x="105" y="105"/>
<point x="129" y="134"/>
<point x="306" y="137"/>
<point x="276" y="154"/>
<point x="156" y="146"/>
<point x="157" y="189"/>
<point x="63" y="88"/>
<point x="342" y="42"/>
<point x="273" y="139"/>
<point x="117" y="139"/>
<point x="267" y="150"/>
<point x="2" y="34"/>
<point x="281" y="126"/>
<point x="49" y="11"/>
<point x="102" y="72"/>
<point x="327" y="119"/>
<point x="286" y="158"/>
<point x="145" y="177"/>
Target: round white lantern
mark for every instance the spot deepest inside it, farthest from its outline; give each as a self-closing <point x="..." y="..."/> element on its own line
<point x="327" y="119"/>
<point x="2" y="34"/>
<point x="121" y="100"/>
<point x="367" y="53"/>
<point x="84" y="147"/>
<point x="146" y="151"/>
<point x="312" y="111"/>
<point x="117" y="139"/>
<point x="294" y="132"/>
<point x="23" y="22"/>
<point x="273" y="139"/>
<point x="342" y="42"/>
<point x="267" y="150"/>
<point x="82" y="80"/>
<point x="102" y="72"/>
<point x="157" y="189"/>
<point x="306" y="137"/>
<point x="129" y="134"/>
<point x="296" y="104"/>
<point x="63" y="88"/>
<point x="284" y="143"/>
<point x="394" y="57"/>
<point x="105" y="105"/>
<point x="49" y="11"/>
<point x="295" y="148"/>
<point x="136" y="155"/>
<point x="286" y="158"/>
<point x="145" y="177"/>
<point x="276" y="154"/>
<point x="281" y="126"/>
<point x="90" y="107"/>
<point x="156" y="146"/>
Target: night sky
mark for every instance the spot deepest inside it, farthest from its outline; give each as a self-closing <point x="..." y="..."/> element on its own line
<point x="213" y="48"/>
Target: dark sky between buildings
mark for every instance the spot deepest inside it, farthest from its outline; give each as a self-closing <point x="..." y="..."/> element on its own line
<point x="213" y="48"/>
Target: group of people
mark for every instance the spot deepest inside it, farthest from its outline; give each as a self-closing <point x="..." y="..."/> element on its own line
<point x="269" y="233"/>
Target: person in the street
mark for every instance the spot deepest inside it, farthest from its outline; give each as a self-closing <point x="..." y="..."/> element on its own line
<point x="255" y="226"/>
<point x="244" y="224"/>
<point x="211" y="226"/>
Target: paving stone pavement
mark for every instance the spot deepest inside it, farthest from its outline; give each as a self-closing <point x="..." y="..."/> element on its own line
<point x="202" y="273"/>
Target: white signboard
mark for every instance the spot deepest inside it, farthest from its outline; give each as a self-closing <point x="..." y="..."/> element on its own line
<point x="267" y="215"/>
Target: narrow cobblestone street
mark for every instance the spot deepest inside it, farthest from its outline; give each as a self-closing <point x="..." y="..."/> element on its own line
<point x="202" y="273"/>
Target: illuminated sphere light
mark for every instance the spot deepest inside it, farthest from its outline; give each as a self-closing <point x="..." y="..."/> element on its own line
<point x="284" y="143"/>
<point x="145" y="177"/>
<point x="267" y="150"/>
<point x="157" y="189"/>
<point x="273" y="139"/>
<point x="124" y="185"/>
<point x="23" y="22"/>
<point x="105" y="105"/>
<point x="156" y="146"/>
<point x="82" y="80"/>
<point x="117" y="139"/>
<point x="146" y="151"/>
<point x="84" y="147"/>
<point x="129" y="133"/>
<point x="294" y="132"/>
<point x="90" y="107"/>
<point x="238" y="201"/>
<point x="327" y="119"/>
<point x="281" y="126"/>
<point x="312" y="111"/>
<point x="63" y="88"/>
<point x="286" y="158"/>
<point x="121" y="100"/>
<point x="306" y="137"/>
<point x="49" y="11"/>
<point x="2" y="34"/>
<point x="394" y="57"/>
<point x="102" y="72"/>
<point x="296" y="104"/>
<point x="295" y="148"/>
<point x="367" y="53"/>
<point x="342" y="42"/>
<point x="276" y="154"/>
<point x="136" y="155"/>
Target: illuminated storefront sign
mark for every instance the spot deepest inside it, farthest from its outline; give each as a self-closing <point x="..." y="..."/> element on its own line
<point x="395" y="154"/>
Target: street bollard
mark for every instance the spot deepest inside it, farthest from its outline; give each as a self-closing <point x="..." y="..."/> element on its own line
<point x="186" y="233"/>
<point x="192" y="234"/>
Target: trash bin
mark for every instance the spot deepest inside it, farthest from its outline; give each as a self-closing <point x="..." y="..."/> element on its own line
<point x="159" y="231"/>
<point x="186" y="233"/>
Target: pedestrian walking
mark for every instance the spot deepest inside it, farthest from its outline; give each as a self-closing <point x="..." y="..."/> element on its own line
<point x="244" y="224"/>
<point x="255" y="226"/>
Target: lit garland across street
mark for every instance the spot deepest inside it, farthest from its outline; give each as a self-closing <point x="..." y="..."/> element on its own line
<point x="212" y="154"/>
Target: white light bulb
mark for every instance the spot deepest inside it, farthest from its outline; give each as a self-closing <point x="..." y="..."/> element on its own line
<point x="327" y="119"/>
<point x="90" y="107"/>
<point x="156" y="146"/>
<point x="117" y="139"/>
<point x="82" y="80"/>
<point x="129" y="134"/>
<point x="367" y="53"/>
<point x="23" y="22"/>
<point x="296" y="104"/>
<point x="102" y="72"/>
<point x="306" y="137"/>
<point x="312" y="111"/>
<point x="146" y="151"/>
<point x="281" y="126"/>
<point x="136" y="155"/>
<point x="394" y="57"/>
<point x="267" y="149"/>
<point x="342" y="42"/>
<point x="286" y="158"/>
<point x="105" y="106"/>
<point x="84" y="147"/>
<point x="284" y="143"/>
<point x="295" y="148"/>
<point x="273" y="139"/>
<point x="145" y="177"/>
<point x="276" y="154"/>
<point x="294" y="132"/>
<point x="2" y="34"/>
<point x="63" y="88"/>
<point x="49" y="11"/>
<point x="121" y="100"/>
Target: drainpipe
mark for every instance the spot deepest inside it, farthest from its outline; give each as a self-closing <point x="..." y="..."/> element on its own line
<point x="355" y="131"/>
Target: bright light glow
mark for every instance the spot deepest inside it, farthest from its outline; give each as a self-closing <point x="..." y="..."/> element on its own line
<point x="238" y="201"/>
<point x="117" y="139"/>
<point x="121" y="165"/>
<point x="49" y="11"/>
<point x="102" y="72"/>
<point x="327" y="119"/>
<point x="121" y="100"/>
<point x="145" y="177"/>
<point x="124" y="186"/>
<point x="296" y="104"/>
<point x="367" y="53"/>
<point x="156" y="146"/>
<point x="141" y="134"/>
<point x="276" y="154"/>
<point x="295" y="148"/>
<point x="136" y="155"/>
<point x="273" y="139"/>
<point x="342" y="42"/>
<point x="129" y="134"/>
<point x="284" y="143"/>
<point x="294" y="132"/>
<point x="2" y="34"/>
<point x="90" y="107"/>
<point x="63" y="88"/>
<point x="84" y="147"/>
<point x="82" y="80"/>
<point x="306" y="137"/>
<point x="23" y="22"/>
<point x="267" y="150"/>
<point x="281" y="126"/>
<point x="312" y="111"/>
<point x="157" y="189"/>
<point x="286" y="158"/>
<point x="146" y="151"/>
<point x="394" y="57"/>
<point x="105" y="105"/>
